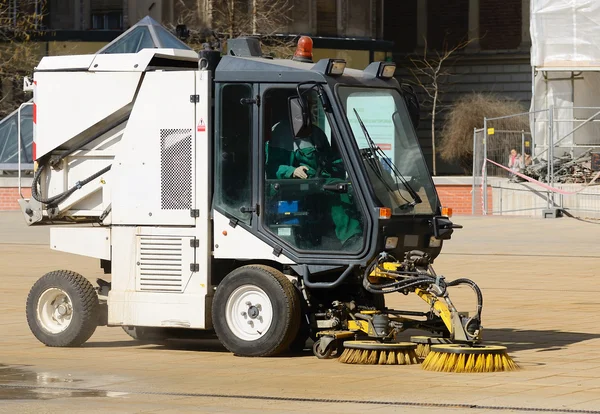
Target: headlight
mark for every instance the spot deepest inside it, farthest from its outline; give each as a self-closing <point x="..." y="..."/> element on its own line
<point x="391" y="243"/>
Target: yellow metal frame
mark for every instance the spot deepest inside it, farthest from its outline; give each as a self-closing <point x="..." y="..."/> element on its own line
<point x="440" y="306"/>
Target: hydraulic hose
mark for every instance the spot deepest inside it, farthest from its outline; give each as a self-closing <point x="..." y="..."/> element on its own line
<point x="62" y="196"/>
<point x="393" y="286"/>
<point x="55" y="160"/>
<point x="473" y="286"/>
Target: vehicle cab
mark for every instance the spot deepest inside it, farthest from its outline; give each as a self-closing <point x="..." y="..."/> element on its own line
<point x="320" y="161"/>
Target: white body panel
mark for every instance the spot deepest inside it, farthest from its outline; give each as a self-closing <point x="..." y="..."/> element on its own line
<point x="65" y="62"/>
<point x="152" y="283"/>
<point x="69" y="103"/>
<point x="156" y="159"/>
<point x="93" y="198"/>
<point x="137" y="62"/>
<point x="240" y="244"/>
<point x="85" y="241"/>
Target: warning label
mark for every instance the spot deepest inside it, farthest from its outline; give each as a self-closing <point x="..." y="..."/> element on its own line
<point x="201" y="126"/>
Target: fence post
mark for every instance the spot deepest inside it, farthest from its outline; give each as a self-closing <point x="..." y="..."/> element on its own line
<point x="523" y="147"/>
<point x="550" y="197"/>
<point x="474" y="188"/>
<point x="484" y="172"/>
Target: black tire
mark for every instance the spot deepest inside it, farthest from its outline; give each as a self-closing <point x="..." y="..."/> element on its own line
<point x="146" y="334"/>
<point x="83" y="301"/>
<point x="284" y="302"/>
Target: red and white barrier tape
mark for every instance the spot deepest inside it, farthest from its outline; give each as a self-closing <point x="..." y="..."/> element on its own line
<point x="546" y="186"/>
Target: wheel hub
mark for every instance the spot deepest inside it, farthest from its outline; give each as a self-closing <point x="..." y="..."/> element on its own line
<point x="249" y="312"/>
<point x="54" y="310"/>
<point x="253" y="312"/>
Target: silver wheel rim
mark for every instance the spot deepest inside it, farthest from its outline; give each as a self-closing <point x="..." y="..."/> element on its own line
<point x="54" y="310"/>
<point x="249" y="312"/>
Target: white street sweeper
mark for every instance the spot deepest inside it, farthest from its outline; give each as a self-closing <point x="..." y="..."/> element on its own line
<point x="265" y="201"/>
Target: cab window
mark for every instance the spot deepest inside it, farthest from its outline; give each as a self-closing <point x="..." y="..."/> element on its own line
<point x="309" y="198"/>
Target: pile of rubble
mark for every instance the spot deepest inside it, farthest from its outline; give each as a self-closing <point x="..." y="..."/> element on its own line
<point x="567" y="170"/>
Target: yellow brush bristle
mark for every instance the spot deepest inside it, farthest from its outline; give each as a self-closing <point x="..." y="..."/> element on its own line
<point x="354" y="357"/>
<point x="423" y="350"/>
<point x="470" y="366"/>
<point x="372" y="358"/>
<point x="391" y="359"/>
<point x="468" y="363"/>
<point x="375" y="357"/>
<point x="344" y="356"/>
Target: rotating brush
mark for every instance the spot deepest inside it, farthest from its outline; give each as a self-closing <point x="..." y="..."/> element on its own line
<point x="378" y="353"/>
<point x="466" y="359"/>
<point x="424" y="344"/>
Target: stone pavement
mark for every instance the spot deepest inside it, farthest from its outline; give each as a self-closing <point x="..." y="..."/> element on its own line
<point x="540" y="284"/>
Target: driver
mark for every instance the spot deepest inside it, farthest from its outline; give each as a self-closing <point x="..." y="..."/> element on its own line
<point x="313" y="157"/>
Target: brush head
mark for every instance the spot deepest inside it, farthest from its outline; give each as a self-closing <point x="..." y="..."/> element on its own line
<point x="381" y="353"/>
<point x="379" y="346"/>
<point x="468" y="358"/>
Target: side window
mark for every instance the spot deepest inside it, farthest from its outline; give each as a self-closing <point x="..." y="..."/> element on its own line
<point x="309" y="199"/>
<point x="233" y="175"/>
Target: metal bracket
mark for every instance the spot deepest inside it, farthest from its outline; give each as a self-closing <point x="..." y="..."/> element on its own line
<point x="277" y="250"/>
<point x="195" y="213"/>
<point x="194" y="98"/>
<point x="233" y="222"/>
<point x="195" y="243"/>
<point x="194" y="267"/>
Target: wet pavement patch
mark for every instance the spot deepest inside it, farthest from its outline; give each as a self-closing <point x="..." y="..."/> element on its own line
<point x="19" y="383"/>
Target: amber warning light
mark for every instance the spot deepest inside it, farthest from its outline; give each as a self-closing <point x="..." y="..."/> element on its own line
<point x="304" y="50"/>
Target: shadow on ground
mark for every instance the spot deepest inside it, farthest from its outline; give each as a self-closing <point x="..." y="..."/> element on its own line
<point x="513" y="339"/>
<point x="197" y="345"/>
<point x="541" y="341"/>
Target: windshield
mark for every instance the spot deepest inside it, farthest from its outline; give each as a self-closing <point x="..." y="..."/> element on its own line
<point x="389" y="149"/>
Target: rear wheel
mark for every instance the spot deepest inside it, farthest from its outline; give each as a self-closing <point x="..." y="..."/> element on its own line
<point x="256" y="311"/>
<point x="62" y="309"/>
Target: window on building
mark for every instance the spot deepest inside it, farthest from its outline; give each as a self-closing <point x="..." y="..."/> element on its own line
<point x="106" y="14"/>
<point x="327" y="18"/>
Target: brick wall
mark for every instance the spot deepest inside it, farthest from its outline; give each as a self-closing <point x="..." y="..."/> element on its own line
<point x="9" y="197"/>
<point x="459" y="198"/>
<point x="499" y="24"/>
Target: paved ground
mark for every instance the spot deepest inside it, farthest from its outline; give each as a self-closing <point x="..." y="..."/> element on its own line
<point x="540" y="280"/>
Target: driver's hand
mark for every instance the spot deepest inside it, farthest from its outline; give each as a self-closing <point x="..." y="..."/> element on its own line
<point x="300" y="172"/>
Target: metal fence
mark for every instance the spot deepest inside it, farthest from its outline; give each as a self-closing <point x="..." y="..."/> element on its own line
<point x="557" y="135"/>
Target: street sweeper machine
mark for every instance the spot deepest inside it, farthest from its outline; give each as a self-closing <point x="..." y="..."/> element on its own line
<point x="264" y="201"/>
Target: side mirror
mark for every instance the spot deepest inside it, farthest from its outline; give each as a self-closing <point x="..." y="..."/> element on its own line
<point x="299" y="117"/>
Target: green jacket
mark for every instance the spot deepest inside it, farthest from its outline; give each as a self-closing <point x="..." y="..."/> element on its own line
<point x="286" y="153"/>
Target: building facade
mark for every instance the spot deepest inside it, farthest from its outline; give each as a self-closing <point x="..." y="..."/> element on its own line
<point x="496" y="61"/>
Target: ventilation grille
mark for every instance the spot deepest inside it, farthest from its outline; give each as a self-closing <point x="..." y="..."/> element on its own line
<point x="160" y="263"/>
<point x="176" y="169"/>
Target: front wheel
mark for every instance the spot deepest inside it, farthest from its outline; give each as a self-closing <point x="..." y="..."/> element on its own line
<point x="62" y="309"/>
<point x="256" y="311"/>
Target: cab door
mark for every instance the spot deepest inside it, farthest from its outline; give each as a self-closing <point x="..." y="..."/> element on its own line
<point x="307" y="198"/>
